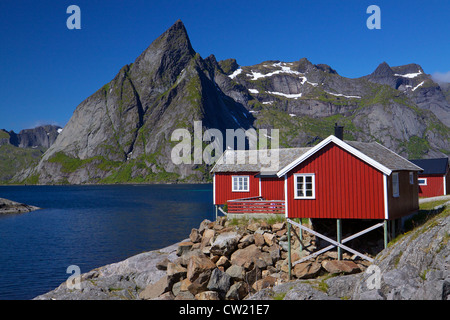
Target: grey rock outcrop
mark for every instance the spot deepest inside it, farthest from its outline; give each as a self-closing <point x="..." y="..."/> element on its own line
<point x="8" y="207"/>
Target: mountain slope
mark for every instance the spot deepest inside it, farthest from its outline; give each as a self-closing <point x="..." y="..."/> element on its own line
<point x="122" y="133"/>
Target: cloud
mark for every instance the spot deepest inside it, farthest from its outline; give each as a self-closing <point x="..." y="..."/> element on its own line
<point x="441" y="77"/>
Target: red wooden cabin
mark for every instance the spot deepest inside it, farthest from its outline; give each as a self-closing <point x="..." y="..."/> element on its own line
<point x="434" y="180"/>
<point x="335" y="179"/>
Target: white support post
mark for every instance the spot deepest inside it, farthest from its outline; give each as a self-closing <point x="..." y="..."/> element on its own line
<point x="335" y="243"/>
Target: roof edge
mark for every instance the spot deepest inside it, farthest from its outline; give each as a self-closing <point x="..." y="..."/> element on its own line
<point x="341" y="144"/>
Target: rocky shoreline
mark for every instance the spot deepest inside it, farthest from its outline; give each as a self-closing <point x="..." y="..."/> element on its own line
<point x="221" y="260"/>
<point x="11" y="207"/>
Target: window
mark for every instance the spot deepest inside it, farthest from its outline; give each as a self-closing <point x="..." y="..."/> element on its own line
<point x="304" y="186"/>
<point x="411" y="178"/>
<point x="395" y="185"/>
<point x="422" y="181"/>
<point x="240" y="184"/>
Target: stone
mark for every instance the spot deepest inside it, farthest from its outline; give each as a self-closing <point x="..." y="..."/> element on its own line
<point x="269" y="238"/>
<point x="237" y="291"/>
<point x="225" y="243"/>
<point x="236" y="272"/>
<point x="278" y="226"/>
<point x="247" y="240"/>
<point x="200" y="284"/>
<point x="263" y="283"/>
<point x="195" y="236"/>
<point x="184" y="247"/>
<point x="155" y="290"/>
<point x="207" y="236"/>
<point x="207" y="295"/>
<point x="253" y="226"/>
<point x="197" y="265"/>
<point x="242" y="256"/>
<point x="223" y="262"/>
<point x="259" y="239"/>
<point x="219" y="281"/>
<point x="307" y="270"/>
<point x="340" y="266"/>
<point x="175" y="272"/>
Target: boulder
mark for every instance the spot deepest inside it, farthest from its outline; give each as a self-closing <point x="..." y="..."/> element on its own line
<point x="220" y="281"/>
<point x="269" y="238"/>
<point x="237" y="291"/>
<point x="195" y="236"/>
<point x="207" y="295"/>
<point x="207" y="236"/>
<point x="236" y="272"/>
<point x="184" y="247"/>
<point x="225" y="243"/>
<point x="197" y="265"/>
<point x="200" y="284"/>
<point x="340" y="266"/>
<point x="263" y="283"/>
<point x="306" y="270"/>
<point x="155" y="290"/>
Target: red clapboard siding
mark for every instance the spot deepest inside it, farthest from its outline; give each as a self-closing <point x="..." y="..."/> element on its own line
<point x="272" y="188"/>
<point x="223" y="187"/>
<point x="434" y="187"/>
<point x="345" y="187"/>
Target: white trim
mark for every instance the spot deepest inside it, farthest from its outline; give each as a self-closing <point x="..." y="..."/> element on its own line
<point x="313" y="181"/>
<point x="386" y="207"/>
<point x="341" y="144"/>
<point x="214" y="188"/>
<point x="239" y="176"/>
<point x="445" y="185"/>
<point x="286" y="196"/>
<point x="260" y="191"/>
<point x="422" y="184"/>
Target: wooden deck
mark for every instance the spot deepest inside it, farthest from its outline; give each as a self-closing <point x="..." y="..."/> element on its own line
<point x="256" y="205"/>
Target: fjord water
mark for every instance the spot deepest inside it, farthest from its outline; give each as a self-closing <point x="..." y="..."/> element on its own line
<point x="90" y="226"/>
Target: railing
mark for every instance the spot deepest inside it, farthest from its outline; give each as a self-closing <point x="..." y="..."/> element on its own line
<point x="256" y="205"/>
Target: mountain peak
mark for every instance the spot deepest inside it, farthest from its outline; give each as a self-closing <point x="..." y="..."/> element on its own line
<point x="383" y="70"/>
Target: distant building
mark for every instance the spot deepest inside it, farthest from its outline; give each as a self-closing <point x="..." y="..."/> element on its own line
<point x="434" y="180"/>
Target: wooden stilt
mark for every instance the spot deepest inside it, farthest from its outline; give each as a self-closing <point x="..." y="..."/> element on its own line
<point x="289" y="249"/>
<point x="385" y="233"/>
<point x="339" y="238"/>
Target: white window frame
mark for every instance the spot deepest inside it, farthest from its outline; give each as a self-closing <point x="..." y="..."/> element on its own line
<point x="313" y="181"/>
<point x="422" y="184"/>
<point x="240" y="183"/>
<point x="395" y="185"/>
<point x="411" y="178"/>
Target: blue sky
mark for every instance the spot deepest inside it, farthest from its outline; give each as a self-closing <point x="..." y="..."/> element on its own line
<point x="47" y="69"/>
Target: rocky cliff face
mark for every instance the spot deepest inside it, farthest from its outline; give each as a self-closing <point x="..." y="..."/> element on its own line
<point x="41" y="136"/>
<point x="122" y="133"/>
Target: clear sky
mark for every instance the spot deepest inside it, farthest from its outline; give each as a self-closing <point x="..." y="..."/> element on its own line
<point x="47" y="70"/>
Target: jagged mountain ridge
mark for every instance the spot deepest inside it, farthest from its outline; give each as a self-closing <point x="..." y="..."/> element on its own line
<point x="122" y="132"/>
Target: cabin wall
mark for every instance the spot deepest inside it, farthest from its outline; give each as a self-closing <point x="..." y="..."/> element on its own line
<point x="408" y="200"/>
<point x="272" y="188"/>
<point x="223" y="187"/>
<point x="345" y="187"/>
<point x="434" y="187"/>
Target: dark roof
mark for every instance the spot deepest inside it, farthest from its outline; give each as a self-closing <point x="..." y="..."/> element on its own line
<point x="383" y="155"/>
<point x="432" y="166"/>
<point x="240" y="161"/>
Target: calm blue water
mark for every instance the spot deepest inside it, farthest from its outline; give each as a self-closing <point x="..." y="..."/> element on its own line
<point x="90" y="226"/>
